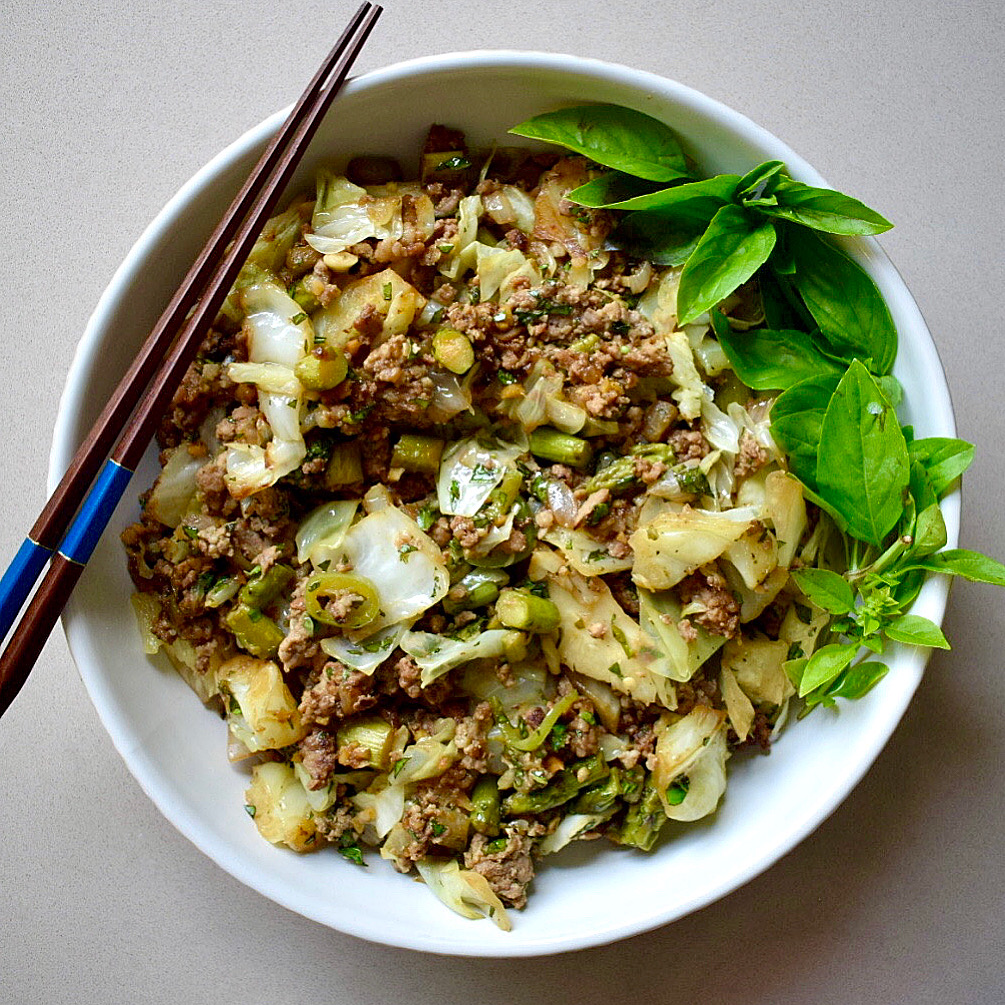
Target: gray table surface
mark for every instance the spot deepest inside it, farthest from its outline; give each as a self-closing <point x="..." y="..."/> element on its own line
<point x="105" y="109"/>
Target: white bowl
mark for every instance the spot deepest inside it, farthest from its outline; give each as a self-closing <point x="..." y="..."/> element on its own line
<point x="592" y="893"/>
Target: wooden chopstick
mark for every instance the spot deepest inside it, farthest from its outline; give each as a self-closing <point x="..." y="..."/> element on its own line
<point x="203" y="292"/>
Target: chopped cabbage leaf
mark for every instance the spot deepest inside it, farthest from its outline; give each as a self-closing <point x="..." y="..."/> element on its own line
<point x="282" y="811"/>
<point x="660" y="613"/>
<point x="322" y="531"/>
<point x="436" y="655"/>
<point x="583" y="552"/>
<point x="268" y="718"/>
<point x="620" y="654"/>
<point x="673" y="545"/>
<point x="388" y="548"/>
<point x="464" y="891"/>
<point x="175" y="488"/>
<point x="365" y="655"/>
<point x="680" y="745"/>
<point x="469" y="470"/>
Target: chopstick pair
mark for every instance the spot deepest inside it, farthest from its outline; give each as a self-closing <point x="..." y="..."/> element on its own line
<point x="151" y="381"/>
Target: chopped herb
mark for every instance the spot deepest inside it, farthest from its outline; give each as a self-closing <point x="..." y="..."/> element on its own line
<point x="250" y="810"/>
<point x="358" y="416"/>
<point x="558" y="737"/>
<point x="298" y="318"/>
<point x="588" y="717"/>
<point x="387" y="288"/>
<point x="456" y="163"/>
<point x="406" y="549"/>
<point x="795" y="652"/>
<point x="323" y="566"/>
<point x="445" y="248"/>
<point x="619" y="327"/>
<point x="804" y="614"/>
<point x="505" y="377"/>
<point x="438" y="829"/>
<point x="621" y="638"/>
<point x="398" y="765"/>
<point x="427" y="516"/>
<point x="494" y="847"/>
<point x="596" y="556"/>
<point x="353" y="853"/>
<point x="192" y="532"/>
<point x="676" y="791"/>
<point x="615" y="668"/>
<point x="455" y="492"/>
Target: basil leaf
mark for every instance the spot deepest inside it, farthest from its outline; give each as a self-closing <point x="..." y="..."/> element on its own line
<point x="718" y="189"/>
<point x="843" y="300"/>
<point x="930" y="531"/>
<point x="782" y="307"/>
<point x="892" y="390"/>
<point x="615" y="186"/>
<point x="796" y="419"/>
<point x="765" y="360"/>
<point x="732" y="249"/>
<point x="759" y="181"/>
<point x="914" y="630"/>
<point x="970" y="565"/>
<point x="823" y="209"/>
<point x="828" y="590"/>
<point x="665" y="239"/>
<point x="858" y="680"/>
<point x="944" y="459"/>
<point x="862" y="465"/>
<point x="615" y="137"/>
<point x="824" y="665"/>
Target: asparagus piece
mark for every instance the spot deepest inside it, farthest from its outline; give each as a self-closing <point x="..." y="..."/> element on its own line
<point x="373" y="734"/>
<point x="322" y="369"/>
<point x="262" y="589"/>
<point x="561" y="788"/>
<point x="522" y="610"/>
<point x="560" y="448"/>
<point x="345" y="466"/>
<point x="417" y="453"/>
<point x="477" y="588"/>
<point x="643" y="821"/>
<point x="254" y="632"/>
<point x="485" y="806"/>
<point x="453" y="350"/>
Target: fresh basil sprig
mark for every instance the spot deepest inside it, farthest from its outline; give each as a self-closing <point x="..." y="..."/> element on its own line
<point x="828" y="346"/>
<point x="763" y="205"/>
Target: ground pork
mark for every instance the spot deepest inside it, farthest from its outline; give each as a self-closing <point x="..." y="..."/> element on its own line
<point x="509" y="869"/>
<point x="336" y="693"/>
<point x="707" y="587"/>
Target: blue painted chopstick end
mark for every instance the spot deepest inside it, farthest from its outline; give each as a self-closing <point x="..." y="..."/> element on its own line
<point x="17" y="581"/>
<point x="82" y="537"/>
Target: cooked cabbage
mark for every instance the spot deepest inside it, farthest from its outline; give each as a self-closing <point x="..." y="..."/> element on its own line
<point x="267" y="716"/>
<point x="388" y="548"/>
<point x="469" y="470"/>
<point x="175" y="488"/>
<point x="436" y="654"/>
<point x="280" y="806"/>
<point x="464" y="891"/>
<point x="680" y="746"/>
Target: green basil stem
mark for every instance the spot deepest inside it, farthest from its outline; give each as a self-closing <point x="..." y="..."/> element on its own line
<point x="560" y="448"/>
<point x="520" y="609"/>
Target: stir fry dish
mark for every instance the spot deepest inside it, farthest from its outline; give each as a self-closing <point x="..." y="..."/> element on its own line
<point x="503" y="506"/>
